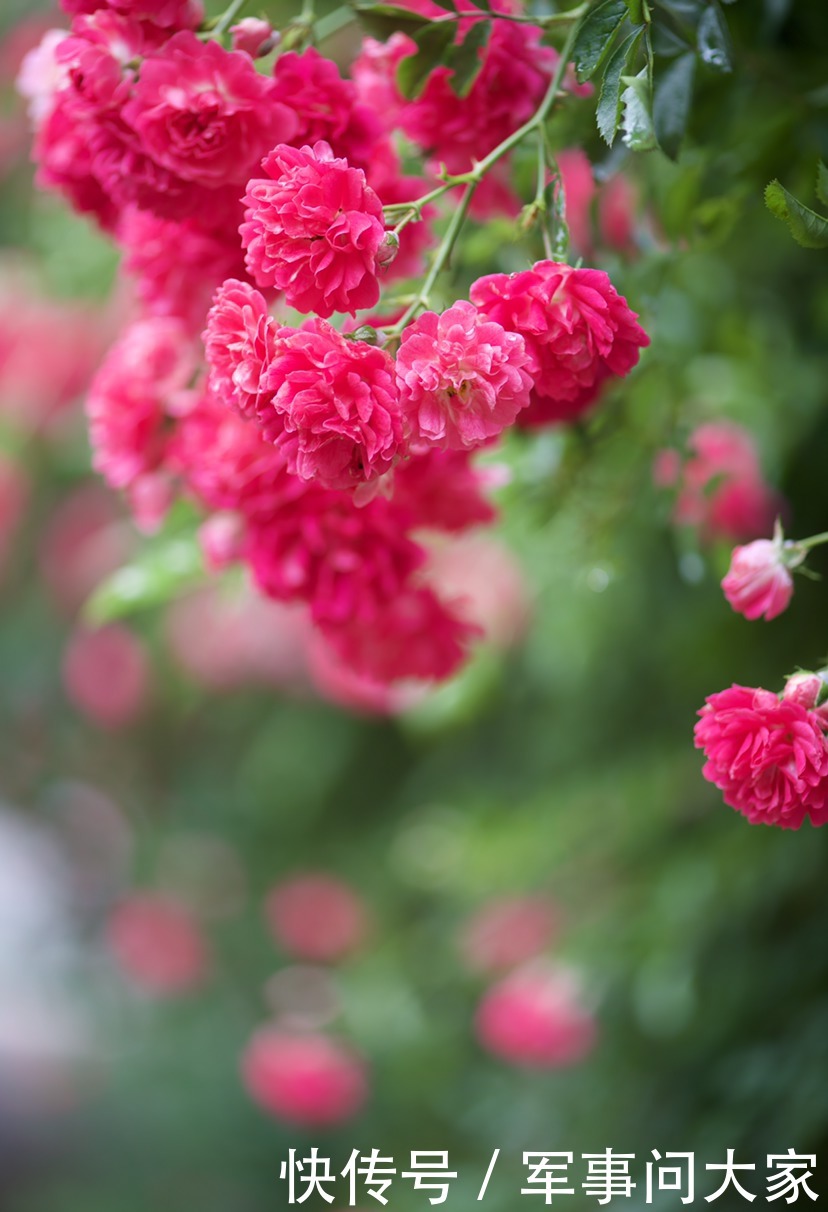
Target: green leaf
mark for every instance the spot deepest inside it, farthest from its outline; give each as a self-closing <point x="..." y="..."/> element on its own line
<point x="713" y="37"/>
<point x="671" y="103"/>
<point x="807" y="228"/>
<point x="595" y="37"/>
<point x="822" y="183"/>
<point x="608" y="113"/>
<point x="466" y="60"/>
<point x="383" y="20"/>
<point x="639" y="133"/>
<point x="160" y="574"/>
<point x="433" y="43"/>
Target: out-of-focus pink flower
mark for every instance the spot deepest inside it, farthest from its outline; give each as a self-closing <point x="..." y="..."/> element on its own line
<point x="226" y="640"/>
<point x="106" y="675"/>
<point x="255" y="36"/>
<point x="720" y="489"/>
<point x="578" y="331"/>
<point x="463" y="379"/>
<point x="83" y="541"/>
<point x="308" y="1079"/>
<point x="485" y="584"/>
<point x="579" y="190"/>
<point x="617" y="206"/>
<point x="167" y="14"/>
<point x="533" y="1017"/>
<point x="14" y="492"/>
<point x="316" y="917"/>
<point x="41" y="76"/>
<point x="768" y="756"/>
<point x="327" y="108"/>
<point x="176" y="266"/>
<point x="508" y="932"/>
<point x="140" y="384"/>
<point x="334" y="407"/>
<point x="443" y="490"/>
<point x="758" y="583"/>
<point x="205" y="113"/>
<point x="313" y="229"/>
<point x="158" y="945"/>
<point x="339" y="683"/>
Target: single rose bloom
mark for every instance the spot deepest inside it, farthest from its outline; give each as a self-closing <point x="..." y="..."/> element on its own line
<point x="534" y="1018"/>
<point x="804" y="688"/>
<point x="759" y="583"/>
<point x="333" y="407"/>
<point x="158" y="944"/>
<point x="578" y="330"/>
<point x="768" y="756"/>
<point x="315" y="916"/>
<point x="719" y="485"/>
<point x="463" y="378"/>
<point x="205" y="113"/>
<point x="308" y="1079"/>
<point x="239" y="342"/>
<point x="313" y="229"/>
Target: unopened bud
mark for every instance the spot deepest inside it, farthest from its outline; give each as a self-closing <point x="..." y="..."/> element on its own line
<point x="804" y="688"/>
<point x="388" y="250"/>
<point x="256" y="36"/>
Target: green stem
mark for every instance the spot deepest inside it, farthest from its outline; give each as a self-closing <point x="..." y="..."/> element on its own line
<point x="332" y="23"/>
<point x="816" y="540"/>
<point x="227" y="17"/>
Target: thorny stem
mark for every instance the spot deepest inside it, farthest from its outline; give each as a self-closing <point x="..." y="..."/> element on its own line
<point x="471" y="180"/>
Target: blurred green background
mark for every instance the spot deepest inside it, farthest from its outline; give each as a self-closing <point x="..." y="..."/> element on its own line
<point x="564" y="766"/>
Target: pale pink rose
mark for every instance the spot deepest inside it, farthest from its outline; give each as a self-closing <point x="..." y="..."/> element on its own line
<point x="308" y="1078"/>
<point x="804" y="688"/>
<point x="759" y="583"/>
<point x="255" y="36"/>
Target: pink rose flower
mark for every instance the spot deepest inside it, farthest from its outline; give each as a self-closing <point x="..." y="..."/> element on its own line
<point x="804" y="688"/>
<point x="768" y="756"/>
<point x="131" y="397"/>
<point x="239" y="341"/>
<point x="327" y="108"/>
<point x="333" y="406"/>
<point x="313" y="229"/>
<point x="255" y="36"/>
<point x="308" y="1079"/>
<point x="168" y="14"/>
<point x="758" y="583"/>
<point x="578" y="331"/>
<point x="462" y="377"/>
<point x="205" y="113"/>
<point x="106" y="675"/>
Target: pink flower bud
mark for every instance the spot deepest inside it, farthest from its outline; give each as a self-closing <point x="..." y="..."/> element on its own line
<point x="804" y="688"/>
<point x="758" y="584"/>
<point x="256" y="36"/>
<point x="388" y="250"/>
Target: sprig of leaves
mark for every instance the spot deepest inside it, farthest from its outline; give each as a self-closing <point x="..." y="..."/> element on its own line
<point x="646" y="54"/>
<point x="806" y="226"/>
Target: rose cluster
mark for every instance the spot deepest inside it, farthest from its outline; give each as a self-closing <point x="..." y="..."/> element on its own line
<point x="322" y="450"/>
